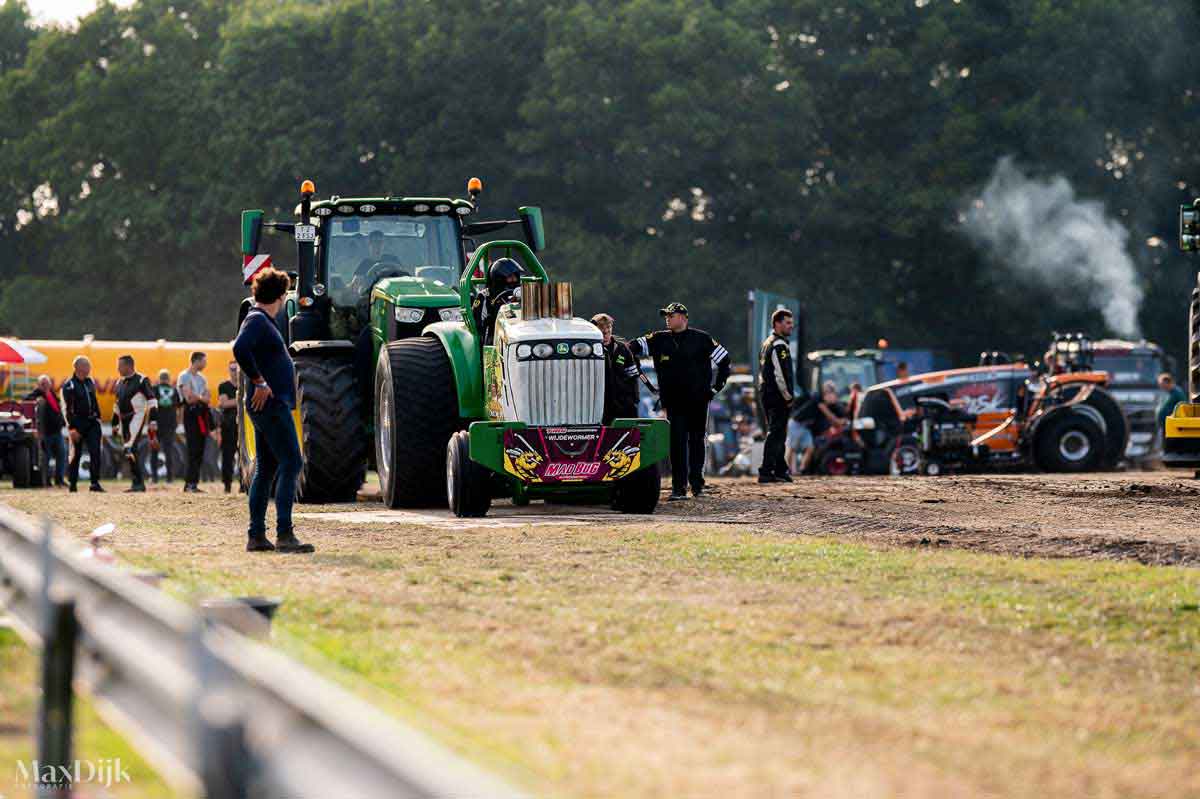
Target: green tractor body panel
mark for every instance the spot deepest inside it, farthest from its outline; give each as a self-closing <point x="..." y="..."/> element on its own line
<point x="462" y="347"/>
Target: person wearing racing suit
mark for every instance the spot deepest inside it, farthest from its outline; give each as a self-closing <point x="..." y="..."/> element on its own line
<point x="620" y="373"/>
<point x="83" y="421"/>
<point x="776" y="390"/>
<point x="503" y="280"/>
<point x="136" y="402"/>
<point x="684" y="358"/>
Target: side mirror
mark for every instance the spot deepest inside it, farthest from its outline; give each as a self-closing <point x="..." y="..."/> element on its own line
<point x="535" y="233"/>
<point x="252" y="223"/>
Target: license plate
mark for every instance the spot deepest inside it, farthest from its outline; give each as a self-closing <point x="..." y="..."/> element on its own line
<point x="306" y="232"/>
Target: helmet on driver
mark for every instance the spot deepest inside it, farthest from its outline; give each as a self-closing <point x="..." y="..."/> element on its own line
<point x="504" y="273"/>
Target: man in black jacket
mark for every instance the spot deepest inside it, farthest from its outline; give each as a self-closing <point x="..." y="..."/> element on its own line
<point x="776" y="390"/>
<point x="684" y="359"/>
<point x="83" y="421"/>
<point x="136" y="402"/>
<point x="620" y="373"/>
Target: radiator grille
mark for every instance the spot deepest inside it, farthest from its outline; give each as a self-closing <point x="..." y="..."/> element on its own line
<point x="560" y="391"/>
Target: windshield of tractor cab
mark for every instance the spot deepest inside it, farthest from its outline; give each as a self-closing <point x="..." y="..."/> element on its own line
<point x="843" y="372"/>
<point x="359" y="251"/>
<point x="1129" y="370"/>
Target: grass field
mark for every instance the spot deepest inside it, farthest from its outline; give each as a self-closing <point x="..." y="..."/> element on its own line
<point x="670" y="658"/>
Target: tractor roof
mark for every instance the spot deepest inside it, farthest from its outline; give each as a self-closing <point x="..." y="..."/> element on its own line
<point x="367" y="206"/>
<point x="873" y="353"/>
<point x="1113" y="346"/>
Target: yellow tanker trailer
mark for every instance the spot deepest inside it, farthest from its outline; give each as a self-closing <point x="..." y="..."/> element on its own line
<point x="17" y="380"/>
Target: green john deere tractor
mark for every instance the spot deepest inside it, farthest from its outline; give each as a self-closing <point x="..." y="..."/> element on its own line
<point x="386" y="346"/>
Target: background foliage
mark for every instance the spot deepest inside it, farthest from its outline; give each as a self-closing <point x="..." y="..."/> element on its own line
<point x="681" y="149"/>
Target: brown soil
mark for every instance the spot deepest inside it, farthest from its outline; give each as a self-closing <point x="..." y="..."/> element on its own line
<point x="1150" y="517"/>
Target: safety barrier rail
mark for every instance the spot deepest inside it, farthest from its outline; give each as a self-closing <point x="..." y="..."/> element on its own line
<point x="215" y="712"/>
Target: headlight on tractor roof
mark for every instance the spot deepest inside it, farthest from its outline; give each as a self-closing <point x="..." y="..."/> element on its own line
<point x="421" y="208"/>
<point x="442" y="209"/>
<point x="326" y="211"/>
<point x="581" y="349"/>
<point x="543" y="350"/>
<point x="409" y="315"/>
<point x="462" y="210"/>
<point x="524" y="350"/>
<point x="366" y="209"/>
<point x="345" y="209"/>
<point x="598" y="350"/>
<point x="451" y="314"/>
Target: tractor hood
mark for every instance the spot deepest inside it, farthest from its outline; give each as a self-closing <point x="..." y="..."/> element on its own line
<point x="418" y="292"/>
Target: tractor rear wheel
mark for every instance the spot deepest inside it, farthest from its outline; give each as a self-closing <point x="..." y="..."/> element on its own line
<point x="637" y="493"/>
<point x="416" y="412"/>
<point x="22" y="466"/>
<point x="333" y="437"/>
<point x="1069" y="442"/>
<point x="468" y="485"/>
<point x="1116" y="427"/>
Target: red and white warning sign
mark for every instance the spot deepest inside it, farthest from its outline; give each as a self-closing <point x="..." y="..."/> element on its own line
<point x="252" y="265"/>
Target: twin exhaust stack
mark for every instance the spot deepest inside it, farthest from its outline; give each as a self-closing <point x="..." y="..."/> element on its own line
<point x="546" y="301"/>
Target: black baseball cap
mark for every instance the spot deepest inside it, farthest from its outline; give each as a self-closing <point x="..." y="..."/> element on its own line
<point x="675" y="307"/>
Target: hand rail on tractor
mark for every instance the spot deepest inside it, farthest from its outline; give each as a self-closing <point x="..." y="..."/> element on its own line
<point x="522" y="252"/>
<point x="211" y="709"/>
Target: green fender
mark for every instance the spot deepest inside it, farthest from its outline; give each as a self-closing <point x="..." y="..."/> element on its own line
<point x="467" y="363"/>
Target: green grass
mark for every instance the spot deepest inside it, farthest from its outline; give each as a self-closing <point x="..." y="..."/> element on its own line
<point x="94" y="740"/>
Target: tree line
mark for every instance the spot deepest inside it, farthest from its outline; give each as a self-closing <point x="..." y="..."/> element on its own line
<point x="681" y="150"/>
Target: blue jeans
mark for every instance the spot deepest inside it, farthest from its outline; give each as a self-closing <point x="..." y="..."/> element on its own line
<point x="277" y="458"/>
<point x="55" y="447"/>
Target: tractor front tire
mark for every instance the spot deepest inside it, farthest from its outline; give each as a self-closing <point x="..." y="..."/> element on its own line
<point x="416" y="413"/>
<point x="1071" y="442"/>
<point x="333" y="436"/>
<point x="468" y="485"/>
<point x="638" y="493"/>
<point x="22" y="466"/>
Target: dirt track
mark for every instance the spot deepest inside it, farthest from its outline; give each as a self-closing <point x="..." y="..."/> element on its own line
<point x="1150" y="517"/>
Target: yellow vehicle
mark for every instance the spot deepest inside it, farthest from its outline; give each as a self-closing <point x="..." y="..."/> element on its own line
<point x="149" y="357"/>
<point x="17" y="380"/>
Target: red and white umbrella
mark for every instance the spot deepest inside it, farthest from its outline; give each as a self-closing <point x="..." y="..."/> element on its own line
<point x="13" y="351"/>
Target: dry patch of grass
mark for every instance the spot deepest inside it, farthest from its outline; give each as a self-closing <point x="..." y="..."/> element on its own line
<point x="674" y="659"/>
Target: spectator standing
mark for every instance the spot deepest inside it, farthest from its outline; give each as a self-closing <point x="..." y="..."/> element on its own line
<point x="620" y="373"/>
<point x="197" y="421"/>
<point x="166" y="421"/>
<point x="902" y="370"/>
<point x="227" y="402"/>
<point x="264" y="359"/>
<point x="776" y="391"/>
<point x="83" y="422"/>
<point x="799" y="432"/>
<point x="684" y="359"/>
<point x="1175" y="395"/>
<point x="831" y="415"/>
<point x="136" y="402"/>
<point x="50" y="428"/>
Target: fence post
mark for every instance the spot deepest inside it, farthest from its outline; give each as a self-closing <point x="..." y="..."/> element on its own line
<point x="59" y="630"/>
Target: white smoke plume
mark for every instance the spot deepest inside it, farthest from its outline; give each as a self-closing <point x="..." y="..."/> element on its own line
<point x="1040" y="229"/>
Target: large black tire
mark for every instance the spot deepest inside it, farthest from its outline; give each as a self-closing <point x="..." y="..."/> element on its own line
<point x="333" y="436"/>
<point x="468" y="485"/>
<point x="416" y="412"/>
<point x="638" y="493"/>
<point x="1116" y="427"/>
<point x="1069" y="441"/>
<point x="41" y="467"/>
<point x="22" y="466"/>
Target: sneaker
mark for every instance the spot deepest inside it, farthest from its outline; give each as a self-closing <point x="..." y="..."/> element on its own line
<point x="697" y="490"/>
<point x="136" y="489"/>
<point x="767" y="478"/>
<point x="676" y="496"/>
<point x="73" y="488"/>
<point x="784" y="477"/>
<point x="259" y="543"/>
<point x="291" y="544"/>
<point x="97" y="488"/>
